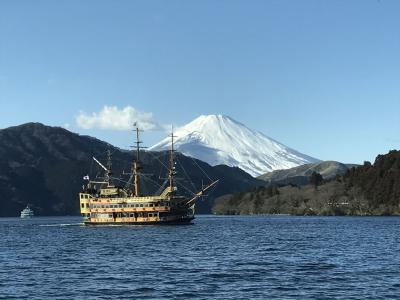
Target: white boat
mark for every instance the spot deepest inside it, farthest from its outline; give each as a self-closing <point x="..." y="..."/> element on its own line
<point x="27" y="212"/>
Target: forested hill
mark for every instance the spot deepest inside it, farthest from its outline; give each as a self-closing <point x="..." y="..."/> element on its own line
<point x="364" y="190"/>
<point x="378" y="183"/>
<point x="44" y="166"/>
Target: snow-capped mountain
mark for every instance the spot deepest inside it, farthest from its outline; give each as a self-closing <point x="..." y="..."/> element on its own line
<point x="218" y="139"/>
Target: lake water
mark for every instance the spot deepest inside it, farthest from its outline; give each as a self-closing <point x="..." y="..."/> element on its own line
<point x="238" y="257"/>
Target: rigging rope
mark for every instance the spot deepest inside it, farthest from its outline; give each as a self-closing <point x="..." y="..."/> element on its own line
<point x="190" y="192"/>
<point x="184" y="171"/>
<point x="118" y="179"/>
<point x="158" y="160"/>
<point x="162" y="187"/>
<point x="151" y="180"/>
<point x="200" y="168"/>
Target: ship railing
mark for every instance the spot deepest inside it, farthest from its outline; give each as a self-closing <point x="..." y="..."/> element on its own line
<point x="124" y="200"/>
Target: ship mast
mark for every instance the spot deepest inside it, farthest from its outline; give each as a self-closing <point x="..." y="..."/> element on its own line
<point x="136" y="163"/>
<point x="171" y="162"/>
<point x="109" y="166"/>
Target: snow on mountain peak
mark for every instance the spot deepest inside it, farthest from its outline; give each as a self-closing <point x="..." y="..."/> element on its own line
<point x="219" y="139"/>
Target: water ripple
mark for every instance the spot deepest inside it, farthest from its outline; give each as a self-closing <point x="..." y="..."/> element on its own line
<point x="217" y="258"/>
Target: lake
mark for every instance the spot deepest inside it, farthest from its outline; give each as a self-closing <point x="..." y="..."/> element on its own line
<point x="219" y="257"/>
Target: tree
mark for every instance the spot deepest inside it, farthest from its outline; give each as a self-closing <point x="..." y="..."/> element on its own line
<point x="316" y="179"/>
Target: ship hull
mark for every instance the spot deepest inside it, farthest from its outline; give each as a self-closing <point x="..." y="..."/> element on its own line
<point x="183" y="221"/>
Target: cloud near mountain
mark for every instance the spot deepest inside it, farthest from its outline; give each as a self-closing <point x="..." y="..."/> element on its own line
<point x="113" y="118"/>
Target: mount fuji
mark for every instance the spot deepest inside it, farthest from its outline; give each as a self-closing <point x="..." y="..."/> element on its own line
<point x="218" y="139"/>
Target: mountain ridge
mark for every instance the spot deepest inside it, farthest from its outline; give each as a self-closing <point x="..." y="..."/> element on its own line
<point x="44" y="166"/>
<point x="301" y="175"/>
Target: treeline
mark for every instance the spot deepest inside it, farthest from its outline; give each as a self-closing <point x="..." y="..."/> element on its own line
<point x="379" y="183"/>
<point x="364" y="190"/>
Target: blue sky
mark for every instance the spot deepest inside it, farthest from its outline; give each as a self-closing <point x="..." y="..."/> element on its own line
<point x="322" y="77"/>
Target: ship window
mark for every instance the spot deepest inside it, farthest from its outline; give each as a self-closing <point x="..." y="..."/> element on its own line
<point x="151" y="204"/>
<point x="150" y="215"/>
<point x="87" y="205"/>
<point x="141" y="205"/>
<point x="156" y="205"/>
<point x="82" y="205"/>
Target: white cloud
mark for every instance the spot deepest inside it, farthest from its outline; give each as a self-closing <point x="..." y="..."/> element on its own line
<point x="113" y="118"/>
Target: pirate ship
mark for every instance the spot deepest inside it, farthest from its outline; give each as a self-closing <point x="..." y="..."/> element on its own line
<point x="103" y="203"/>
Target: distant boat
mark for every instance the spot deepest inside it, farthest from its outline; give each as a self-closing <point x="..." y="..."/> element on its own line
<point x="27" y="212"/>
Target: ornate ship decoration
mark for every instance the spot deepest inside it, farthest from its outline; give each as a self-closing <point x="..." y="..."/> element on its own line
<point x="103" y="203"/>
